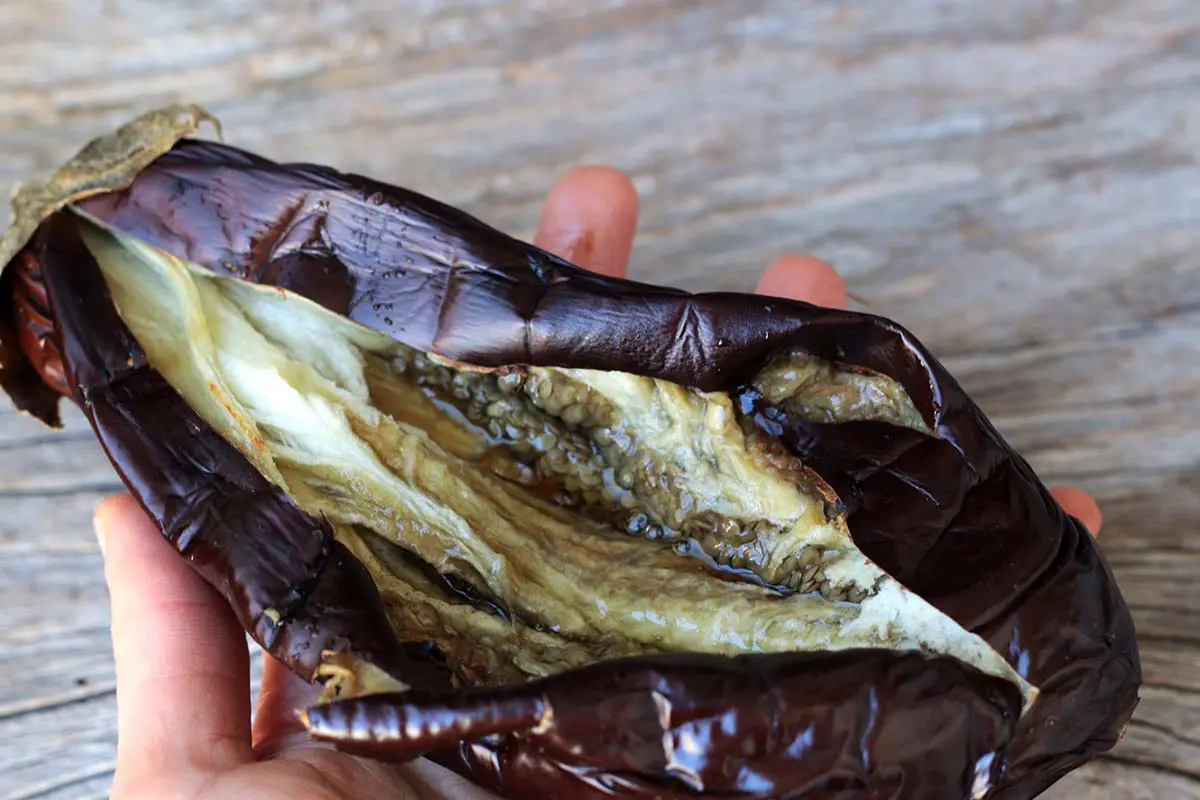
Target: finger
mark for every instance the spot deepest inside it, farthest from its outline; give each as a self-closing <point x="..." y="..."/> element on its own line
<point x="284" y="695"/>
<point x="801" y="277"/>
<point x="589" y="218"/>
<point x="1080" y="505"/>
<point x="183" y="698"/>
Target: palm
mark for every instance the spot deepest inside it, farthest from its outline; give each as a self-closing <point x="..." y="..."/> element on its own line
<point x="308" y="773"/>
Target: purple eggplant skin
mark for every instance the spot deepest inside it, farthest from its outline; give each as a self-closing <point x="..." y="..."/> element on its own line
<point x="958" y="517"/>
<point x="802" y="725"/>
<point x="294" y="588"/>
<point x="794" y="725"/>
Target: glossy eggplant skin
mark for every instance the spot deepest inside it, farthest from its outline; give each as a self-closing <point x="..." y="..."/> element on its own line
<point x="958" y="517"/>
<point x="801" y="725"/>
<point x="294" y="588"/>
<point x="795" y="725"/>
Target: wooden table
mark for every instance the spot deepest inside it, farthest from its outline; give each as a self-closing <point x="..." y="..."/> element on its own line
<point x="1017" y="182"/>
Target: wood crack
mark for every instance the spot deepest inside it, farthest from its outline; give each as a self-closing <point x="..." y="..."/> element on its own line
<point x="1126" y="761"/>
<point x="54" y="785"/>
<point x="1179" y="640"/>
<point x="1170" y="687"/>
<point x="1165" y="731"/>
<point x="46" y="440"/>
<point x="16" y="710"/>
<point x="91" y="487"/>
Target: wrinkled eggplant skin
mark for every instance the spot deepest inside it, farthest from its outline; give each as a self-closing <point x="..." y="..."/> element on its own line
<point x="242" y="534"/>
<point x="1064" y="624"/>
<point x="958" y="517"/>
<point x="799" y="725"/>
<point x="796" y="725"/>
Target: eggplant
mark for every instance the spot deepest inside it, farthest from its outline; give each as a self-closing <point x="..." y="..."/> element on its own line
<point x="569" y="535"/>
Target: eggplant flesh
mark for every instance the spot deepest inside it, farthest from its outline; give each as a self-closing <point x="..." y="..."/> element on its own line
<point x="534" y="520"/>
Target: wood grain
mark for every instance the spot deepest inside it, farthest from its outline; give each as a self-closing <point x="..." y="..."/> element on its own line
<point x="1016" y="182"/>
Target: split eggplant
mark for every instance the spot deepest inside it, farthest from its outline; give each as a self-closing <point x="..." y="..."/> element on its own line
<point x="570" y="535"/>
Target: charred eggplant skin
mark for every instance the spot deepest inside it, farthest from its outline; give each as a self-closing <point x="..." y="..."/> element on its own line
<point x="808" y="725"/>
<point x="958" y="516"/>
<point x="803" y="725"/>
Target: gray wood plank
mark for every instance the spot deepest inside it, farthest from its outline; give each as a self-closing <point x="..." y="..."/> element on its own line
<point x="1016" y="182"/>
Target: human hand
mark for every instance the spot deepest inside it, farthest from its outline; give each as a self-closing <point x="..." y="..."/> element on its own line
<point x="184" y="719"/>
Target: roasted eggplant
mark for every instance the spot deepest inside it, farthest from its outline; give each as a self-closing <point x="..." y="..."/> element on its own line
<point x="569" y="535"/>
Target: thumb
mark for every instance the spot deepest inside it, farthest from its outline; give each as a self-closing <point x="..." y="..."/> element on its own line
<point x="182" y="664"/>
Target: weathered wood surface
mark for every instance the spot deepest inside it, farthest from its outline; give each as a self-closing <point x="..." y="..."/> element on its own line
<point x="1017" y="182"/>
